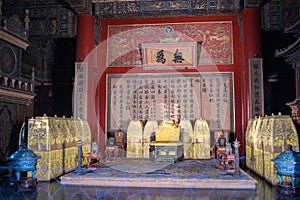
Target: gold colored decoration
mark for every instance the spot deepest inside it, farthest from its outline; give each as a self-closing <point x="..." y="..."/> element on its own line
<point x="56" y="141"/>
<point x="167" y="132"/>
<point x="249" y="140"/>
<point x="258" y="148"/>
<point x="196" y="142"/>
<point x="201" y="140"/>
<point x="257" y="153"/>
<point x="167" y="142"/>
<point x="180" y="55"/>
<point x="267" y="137"/>
<point x="282" y="132"/>
<point x="187" y="137"/>
<point x="216" y="38"/>
<point x="134" y="139"/>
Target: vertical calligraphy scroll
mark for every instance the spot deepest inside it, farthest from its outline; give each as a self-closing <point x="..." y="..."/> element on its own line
<point x="256" y="87"/>
<point x="80" y="90"/>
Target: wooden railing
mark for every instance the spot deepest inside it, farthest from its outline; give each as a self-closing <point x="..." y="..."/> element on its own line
<point x="17" y="84"/>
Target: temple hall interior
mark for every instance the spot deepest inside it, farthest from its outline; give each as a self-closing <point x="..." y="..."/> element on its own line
<point x="93" y="83"/>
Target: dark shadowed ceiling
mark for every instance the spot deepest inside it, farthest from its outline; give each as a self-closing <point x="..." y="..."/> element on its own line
<point x="85" y="6"/>
<point x="61" y="14"/>
<point x="57" y="16"/>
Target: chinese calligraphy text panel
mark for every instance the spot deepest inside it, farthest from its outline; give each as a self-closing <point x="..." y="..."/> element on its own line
<point x="168" y="96"/>
<point x="80" y="92"/>
<point x="175" y="55"/>
<point x="124" y="40"/>
<point x="256" y="87"/>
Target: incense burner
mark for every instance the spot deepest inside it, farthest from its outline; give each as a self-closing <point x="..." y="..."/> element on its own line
<point x="287" y="163"/>
<point x="24" y="160"/>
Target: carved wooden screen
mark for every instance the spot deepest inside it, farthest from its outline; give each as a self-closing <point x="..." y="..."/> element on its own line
<point x="159" y="97"/>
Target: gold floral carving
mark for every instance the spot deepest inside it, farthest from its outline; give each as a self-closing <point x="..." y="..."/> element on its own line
<point x="124" y="40"/>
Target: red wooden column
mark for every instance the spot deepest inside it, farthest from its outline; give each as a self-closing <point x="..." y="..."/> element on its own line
<point x="85" y="53"/>
<point x="85" y="36"/>
<point x="251" y="47"/>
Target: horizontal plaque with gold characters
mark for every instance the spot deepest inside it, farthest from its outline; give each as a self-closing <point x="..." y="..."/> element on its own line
<point x="175" y="55"/>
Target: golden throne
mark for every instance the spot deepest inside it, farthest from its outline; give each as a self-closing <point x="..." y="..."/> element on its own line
<point x="167" y="144"/>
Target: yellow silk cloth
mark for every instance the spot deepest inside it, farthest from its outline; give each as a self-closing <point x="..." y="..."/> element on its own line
<point x="167" y="132"/>
<point x="196" y="141"/>
<point x="267" y="137"/>
<point x="201" y="140"/>
<point x="56" y="141"/>
<point x="134" y="139"/>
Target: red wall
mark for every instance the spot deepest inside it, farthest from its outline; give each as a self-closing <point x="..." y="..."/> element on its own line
<point x="239" y="69"/>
